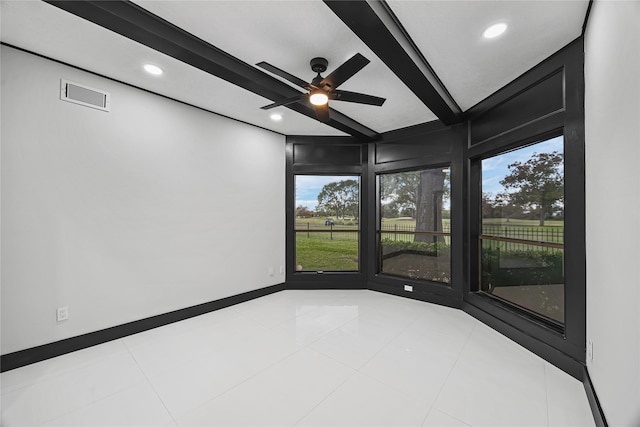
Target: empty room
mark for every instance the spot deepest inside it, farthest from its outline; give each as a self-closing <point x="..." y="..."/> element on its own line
<point x="320" y="213"/>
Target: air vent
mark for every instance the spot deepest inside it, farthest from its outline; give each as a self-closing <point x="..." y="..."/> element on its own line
<point x="84" y="95"/>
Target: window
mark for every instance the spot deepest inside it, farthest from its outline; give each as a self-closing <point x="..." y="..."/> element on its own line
<point x="522" y="230"/>
<point x="414" y="228"/>
<point x="327" y="223"/>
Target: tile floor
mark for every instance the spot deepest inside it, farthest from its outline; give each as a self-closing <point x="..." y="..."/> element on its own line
<point x="301" y="358"/>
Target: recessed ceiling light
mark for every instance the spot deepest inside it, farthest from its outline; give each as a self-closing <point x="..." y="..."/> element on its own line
<point x="495" y="30"/>
<point x="276" y="117"/>
<point x="153" y="69"/>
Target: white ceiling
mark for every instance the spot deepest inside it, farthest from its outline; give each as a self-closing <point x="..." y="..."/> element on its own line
<point x="449" y="35"/>
<point x="287" y="34"/>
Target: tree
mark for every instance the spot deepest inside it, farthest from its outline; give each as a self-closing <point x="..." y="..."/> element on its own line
<point x="536" y="185"/>
<point x="429" y="196"/>
<point x="507" y="208"/>
<point x="418" y="194"/>
<point x="398" y="193"/>
<point x="339" y="198"/>
<point x="489" y="205"/>
<point x="303" y="212"/>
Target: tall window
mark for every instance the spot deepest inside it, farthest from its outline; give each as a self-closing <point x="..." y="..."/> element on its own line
<point x="414" y="228"/>
<point x="522" y="233"/>
<point x="327" y="222"/>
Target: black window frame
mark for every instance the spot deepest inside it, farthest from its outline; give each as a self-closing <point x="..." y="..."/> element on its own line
<point x="378" y="223"/>
<point x="476" y="166"/>
<point x="426" y="145"/>
<point x="564" y="347"/>
<point x="295" y="272"/>
<point x="335" y="156"/>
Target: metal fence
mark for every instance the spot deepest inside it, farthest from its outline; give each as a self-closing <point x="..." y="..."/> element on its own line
<point x="407" y="233"/>
<point x="538" y="234"/>
<point x="329" y="231"/>
<point x="523" y="238"/>
<point x="513" y="237"/>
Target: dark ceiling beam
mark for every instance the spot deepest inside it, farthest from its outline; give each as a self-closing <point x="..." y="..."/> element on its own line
<point x="374" y="23"/>
<point x="138" y="24"/>
<point x="586" y="18"/>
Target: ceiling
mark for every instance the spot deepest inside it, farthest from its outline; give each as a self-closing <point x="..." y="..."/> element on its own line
<point x="428" y="58"/>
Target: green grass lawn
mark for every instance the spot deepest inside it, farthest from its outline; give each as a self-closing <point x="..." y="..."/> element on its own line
<point x="318" y="253"/>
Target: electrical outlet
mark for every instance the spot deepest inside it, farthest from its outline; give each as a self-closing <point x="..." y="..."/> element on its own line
<point x="282" y="269"/>
<point x="62" y="313"/>
<point x="589" y="351"/>
<point x="270" y="271"/>
<point x="408" y="288"/>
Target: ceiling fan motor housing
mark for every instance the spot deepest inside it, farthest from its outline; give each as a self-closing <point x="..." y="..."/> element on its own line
<point x="319" y="65"/>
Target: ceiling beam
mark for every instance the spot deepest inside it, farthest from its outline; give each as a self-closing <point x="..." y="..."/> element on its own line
<point x="138" y="24"/>
<point x="376" y="25"/>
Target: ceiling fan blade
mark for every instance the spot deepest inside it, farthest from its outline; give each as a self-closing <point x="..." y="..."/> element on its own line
<point x="345" y="71"/>
<point x="360" y="98"/>
<point x="277" y="71"/>
<point x="322" y="111"/>
<point x="285" y="101"/>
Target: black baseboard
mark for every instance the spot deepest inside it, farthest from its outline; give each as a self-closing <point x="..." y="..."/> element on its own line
<point x="594" y="403"/>
<point x="329" y="280"/>
<point x="324" y="286"/>
<point x="47" y="351"/>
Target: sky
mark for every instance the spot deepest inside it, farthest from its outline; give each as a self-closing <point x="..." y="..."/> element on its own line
<point x="309" y="186"/>
<point x="494" y="169"/>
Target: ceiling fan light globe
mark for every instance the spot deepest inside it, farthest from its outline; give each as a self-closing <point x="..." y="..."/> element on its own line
<point x="318" y="98"/>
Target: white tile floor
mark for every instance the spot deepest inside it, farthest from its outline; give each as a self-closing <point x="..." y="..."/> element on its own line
<point x="301" y="358"/>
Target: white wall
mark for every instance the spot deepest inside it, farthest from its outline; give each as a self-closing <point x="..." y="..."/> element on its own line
<point x="612" y="72"/>
<point x="152" y="207"/>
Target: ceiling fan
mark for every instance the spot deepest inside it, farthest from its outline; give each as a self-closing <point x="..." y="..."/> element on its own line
<point x="322" y="89"/>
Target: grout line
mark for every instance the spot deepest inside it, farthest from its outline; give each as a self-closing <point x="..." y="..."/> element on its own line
<point x="331" y="393"/>
<point x="455" y="364"/>
<point x="424" y="420"/>
<point x="384" y="346"/>
<point x="449" y="415"/>
<point x="150" y="384"/>
<point x="94" y="360"/>
<point x="355" y="370"/>
<point x="253" y="375"/>
<point x="233" y="387"/>
<point x="546" y="392"/>
<point x="46" y="376"/>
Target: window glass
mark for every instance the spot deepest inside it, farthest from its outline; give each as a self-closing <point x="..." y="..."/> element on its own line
<point x="414" y="231"/>
<point x="327" y="222"/>
<point x="522" y="236"/>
